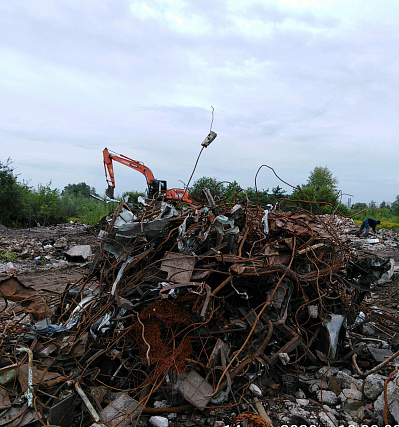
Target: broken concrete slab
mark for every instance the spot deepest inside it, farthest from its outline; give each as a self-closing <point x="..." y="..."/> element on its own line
<point x="121" y="412"/>
<point x="374" y="386"/>
<point x="195" y="389"/>
<point x="393" y="400"/>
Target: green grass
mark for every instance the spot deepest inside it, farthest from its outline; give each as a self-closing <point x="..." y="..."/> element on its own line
<point x="8" y="256"/>
<point x="388" y="225"/>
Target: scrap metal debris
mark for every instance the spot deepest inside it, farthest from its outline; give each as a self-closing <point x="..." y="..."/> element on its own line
<point x="216" y="313"/>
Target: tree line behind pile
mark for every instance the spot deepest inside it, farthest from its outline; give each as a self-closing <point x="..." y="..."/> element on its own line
<point x="24" y="206"/>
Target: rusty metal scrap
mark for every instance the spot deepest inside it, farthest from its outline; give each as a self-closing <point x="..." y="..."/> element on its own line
<point x="188" y="306"/>
<point x="12" y="289"/>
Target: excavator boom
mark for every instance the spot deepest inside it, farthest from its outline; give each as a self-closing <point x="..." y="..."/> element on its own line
<point x="134" y="164"/>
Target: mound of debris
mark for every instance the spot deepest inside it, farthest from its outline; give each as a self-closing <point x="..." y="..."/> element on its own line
<point x="213" y="315"/>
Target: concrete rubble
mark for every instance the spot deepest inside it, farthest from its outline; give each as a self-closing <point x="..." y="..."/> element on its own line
<point x="210" y="315"/>
<point x="43" y="247"/>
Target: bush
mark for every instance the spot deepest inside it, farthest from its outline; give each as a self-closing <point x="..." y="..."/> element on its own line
<point x="388" y="225"/>
<point x="43" y="206"/>
<point x="93" y="210"/>
<point x="76" y="204"/>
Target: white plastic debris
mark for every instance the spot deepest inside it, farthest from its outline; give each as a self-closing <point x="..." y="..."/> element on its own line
<point x="284" y="358"/>
<point x="158" y="421"/>
<point x="160" y="404"/>
<point x="255" y="390"/>
<point x="265" y="222"/>
<point x="313" y="311"/>
<point x="371" y="241"/>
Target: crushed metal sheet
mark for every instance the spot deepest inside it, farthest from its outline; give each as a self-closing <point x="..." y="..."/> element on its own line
<point x="333" y="323"/>
<point x="14" y="290"/>
<point x="62" y="413"/>
<point x="380" y="354"/>
<point x="45" y="378"/>
<point x="5" y="401"/>
<point x="18" y="416"/>
<point x="179" y="267"/>
<point x="147" y="229"/>
<point x="225" y="225"/>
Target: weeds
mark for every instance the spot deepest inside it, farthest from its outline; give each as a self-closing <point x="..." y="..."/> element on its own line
<point x="8" y="257"/>
<point x="384" y="224"/>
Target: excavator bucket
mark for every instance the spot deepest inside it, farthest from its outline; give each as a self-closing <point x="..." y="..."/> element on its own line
<point x="110" y="191"/>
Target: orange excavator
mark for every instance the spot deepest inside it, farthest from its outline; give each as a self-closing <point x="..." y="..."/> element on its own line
<point x="156" y="189"/>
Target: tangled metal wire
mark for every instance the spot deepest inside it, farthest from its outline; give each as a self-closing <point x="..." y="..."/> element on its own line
<point x="192" y="305"/>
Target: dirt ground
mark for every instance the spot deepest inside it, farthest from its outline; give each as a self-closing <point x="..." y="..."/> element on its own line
<point x="49" y="273"/>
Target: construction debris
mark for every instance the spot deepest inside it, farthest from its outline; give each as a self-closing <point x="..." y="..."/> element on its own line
<point x="213" y="315"/>
<point x="43" y="247"/>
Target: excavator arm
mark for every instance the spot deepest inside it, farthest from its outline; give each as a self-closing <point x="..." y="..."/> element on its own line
<point x="134" y="164"/>
<point x="155" y="187"/>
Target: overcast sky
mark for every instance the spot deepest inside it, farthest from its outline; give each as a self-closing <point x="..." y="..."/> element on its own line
<point x="295" y="84"/>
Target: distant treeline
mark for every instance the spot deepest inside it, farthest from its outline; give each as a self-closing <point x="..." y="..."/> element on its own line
<point x="24" y="206"/>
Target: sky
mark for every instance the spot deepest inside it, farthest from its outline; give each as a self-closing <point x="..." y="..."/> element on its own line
<point x="294" y="84"/>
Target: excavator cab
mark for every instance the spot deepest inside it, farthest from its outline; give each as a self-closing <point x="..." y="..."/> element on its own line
<point x="156" y="188"/>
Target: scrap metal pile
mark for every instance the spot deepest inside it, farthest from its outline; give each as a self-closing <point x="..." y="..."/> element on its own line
<point x="185" y="310"/>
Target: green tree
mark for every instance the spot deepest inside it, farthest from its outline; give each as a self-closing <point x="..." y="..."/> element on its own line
<point x="11" y="196"/>
<point x="359" y="206"/>
<point x="320" y="190"/>
<point x="82" y="189"/>
<point x="91" y="211"/>
<point x="69" y="205"/>
<point x="263" y="197"/>
<point x="276" y="194"/>
<point x="385" y="214"/>
<point x="76" y="202"/>
<point x="233" y="191"/>
<point x="132" y="196"/>
<point x="257" y="197"/>
<point x="21" y="205"/>
<point x="44" y="205"/>
<point x="321" y="177"/>
<point x="214" y="186"/>
<point x="395" y="206"/>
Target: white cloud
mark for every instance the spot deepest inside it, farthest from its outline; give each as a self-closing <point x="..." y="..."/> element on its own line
<point x="295" y="84"/>
<point x="176" y="15"/>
